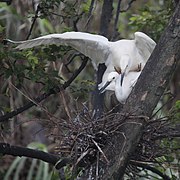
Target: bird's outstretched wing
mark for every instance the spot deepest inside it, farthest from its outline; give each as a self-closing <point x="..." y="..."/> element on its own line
<point x="95" y="47"/>
<point x="144" y="44"/>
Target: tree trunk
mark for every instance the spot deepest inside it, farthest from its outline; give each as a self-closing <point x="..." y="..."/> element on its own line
<point x="106" y="17"/>
<point x="141" y="103"/>
<point x="104" y="30"/>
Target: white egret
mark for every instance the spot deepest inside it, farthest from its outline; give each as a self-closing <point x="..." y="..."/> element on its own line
<point x="125" y="55"/>
<point x="121" y="91"/>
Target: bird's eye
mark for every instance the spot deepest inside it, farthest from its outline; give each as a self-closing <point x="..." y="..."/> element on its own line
<point x="113" y="77"/>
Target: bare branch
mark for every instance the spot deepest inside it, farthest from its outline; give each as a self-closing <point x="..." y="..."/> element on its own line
<point x="33" y="23"/>
<point x="106" y="17"/>
<point x="45" y="95"/>
<point x="150" y="168"/>
<point x="128" y="6"/>
<point x="169" y="132"/>
<point x="7" y="149"/>
<point x="116" y="19"/>
<point x="91" y="8"/>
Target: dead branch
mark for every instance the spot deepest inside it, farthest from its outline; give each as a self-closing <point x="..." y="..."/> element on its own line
<point x="128" y="6"/>
<point x="150" y="168"/>
<point x="33" y="22"/>
<point x="7" y="149"/>
<point x="45" y="95"/>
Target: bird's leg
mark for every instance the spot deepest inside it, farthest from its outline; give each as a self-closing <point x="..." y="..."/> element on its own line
<point x="117" y="69"/>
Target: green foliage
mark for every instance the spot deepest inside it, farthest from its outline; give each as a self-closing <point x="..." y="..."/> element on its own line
<point x="46" y="7"/>
<point x="86" y="6"/>
<point x="32" y="60"/>
<point x="168" y="165"/>
<point x="32" y="65"/>
<point x="70" y="8"/>
<point x="36" y="64"/>
<point x="81" y="88"/>
<point x="152" y="21"/>
<point x="175" y="112"/>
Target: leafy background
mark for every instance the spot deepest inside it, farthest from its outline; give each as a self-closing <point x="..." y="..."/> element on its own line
<point x="26" y="74"/>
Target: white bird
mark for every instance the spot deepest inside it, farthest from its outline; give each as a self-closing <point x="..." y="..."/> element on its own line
<point x="121" y="91"/>
<point x="125" y="55"/>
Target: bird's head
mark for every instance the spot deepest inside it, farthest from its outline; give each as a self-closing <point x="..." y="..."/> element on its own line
<point x="111" y="77"/>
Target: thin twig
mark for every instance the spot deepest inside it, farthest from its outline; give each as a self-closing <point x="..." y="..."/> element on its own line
<point x="97" y="166"/>
<point x="45" y="95"/>
<point x="34" y="20"/>
<point x="91" y="8"/>
<point x="89" y="13"/>
<point x="154" y="170"/>
<point x="82" y="156"/>
<point x="128" y="6"/>
<point x="100" y="150"/>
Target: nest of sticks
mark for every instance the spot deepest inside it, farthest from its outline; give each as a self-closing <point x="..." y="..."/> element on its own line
<point x="81" y="141"/>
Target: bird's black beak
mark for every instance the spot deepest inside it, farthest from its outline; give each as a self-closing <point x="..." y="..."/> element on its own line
<point x="123" y="74"/>
<point x="104" y="87"/>
<point x="122" y="77"/>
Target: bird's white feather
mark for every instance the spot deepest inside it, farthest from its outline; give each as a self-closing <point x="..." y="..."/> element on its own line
<point x="120" y="54"/>
<point x="95" y="47"/>
<point x="122" y="92"/>
<point x="98" y="48"/>
<point x="144" y="44"/>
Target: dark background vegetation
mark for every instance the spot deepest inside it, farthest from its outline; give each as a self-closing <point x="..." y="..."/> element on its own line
<point x="43" y="105"/>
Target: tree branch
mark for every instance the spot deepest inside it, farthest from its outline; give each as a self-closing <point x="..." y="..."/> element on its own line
<point x="45" y="95"/>
<point x="91" y="8"/>
<point x="170" y="132"/>
<point x="97" y="97"/>
<point x="128" y="6"/>
<point x="116" y="19"/>
<point x="141" y="102"/>
<point x="150" y="168"/>
<point x="7" y="149"/>
<point x="106" y="17"/>
<point x="34" y="20"/>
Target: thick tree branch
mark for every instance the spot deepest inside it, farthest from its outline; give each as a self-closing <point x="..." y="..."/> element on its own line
<point x="141" y="103"/>
<point x="98" y="98"/>
<point x="106" y="17"/>
<point x="45" y="95"/>
<point x="116" y="19"/>
<point x="7" y="149"/>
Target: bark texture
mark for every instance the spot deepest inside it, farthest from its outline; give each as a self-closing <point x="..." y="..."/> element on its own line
<point x="141" y="103"/>
<point x="106" y="17"/>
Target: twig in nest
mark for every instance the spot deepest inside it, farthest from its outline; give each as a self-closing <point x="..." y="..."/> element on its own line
<point x="82" y="156"/>
<point x="97" y="167"/>
<point x="96" y="144"/>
